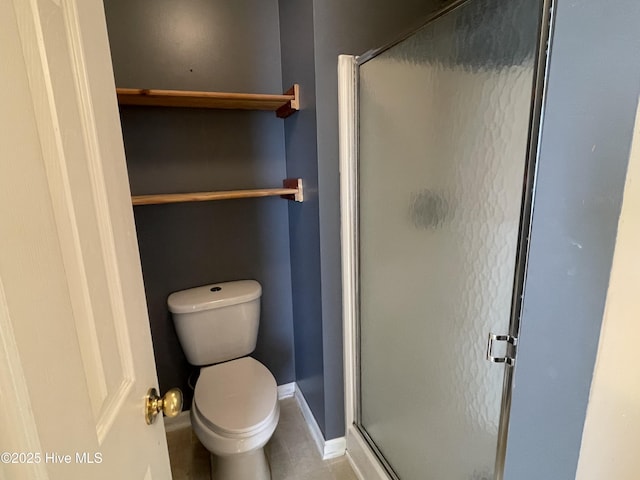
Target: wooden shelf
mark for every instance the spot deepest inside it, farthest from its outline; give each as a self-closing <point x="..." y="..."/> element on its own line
<point x="284" y="105"/>
<point x="292" y="190"/>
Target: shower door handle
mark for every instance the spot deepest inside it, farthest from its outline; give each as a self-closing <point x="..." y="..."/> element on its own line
<point x="510" y="356"/>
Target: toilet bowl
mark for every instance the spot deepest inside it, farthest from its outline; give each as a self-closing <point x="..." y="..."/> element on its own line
<point x="235" y="406"/>
<point x="234" y="413"/>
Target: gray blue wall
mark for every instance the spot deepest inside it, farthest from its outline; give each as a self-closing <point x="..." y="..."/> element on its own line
<point x="220" y="46"/>
<point x="296" y="37"/>
<point x="593" y="87"/>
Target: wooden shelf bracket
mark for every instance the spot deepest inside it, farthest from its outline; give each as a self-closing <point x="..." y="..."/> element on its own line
<point x="291" y="190"/>
<point x="293" y="184"/>
<point x="292" y="105"/>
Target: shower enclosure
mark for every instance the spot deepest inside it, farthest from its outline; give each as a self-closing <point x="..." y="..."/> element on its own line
<point x="438" y="137"/>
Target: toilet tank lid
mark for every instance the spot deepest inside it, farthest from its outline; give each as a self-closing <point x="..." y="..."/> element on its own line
<point x="215" y="295"/>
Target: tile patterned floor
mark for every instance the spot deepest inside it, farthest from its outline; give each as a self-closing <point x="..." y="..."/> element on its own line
<point x="291" y="452"/>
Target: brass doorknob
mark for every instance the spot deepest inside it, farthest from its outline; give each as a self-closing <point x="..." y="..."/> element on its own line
<point x="170" y="404"/>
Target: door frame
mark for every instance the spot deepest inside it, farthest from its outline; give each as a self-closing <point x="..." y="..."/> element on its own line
<point x="366" y="462"/>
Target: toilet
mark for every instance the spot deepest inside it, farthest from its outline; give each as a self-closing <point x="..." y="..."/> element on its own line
<point x="235" y="406"/>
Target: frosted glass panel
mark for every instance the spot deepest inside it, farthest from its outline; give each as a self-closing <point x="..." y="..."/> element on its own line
<point x="444" y="122"/>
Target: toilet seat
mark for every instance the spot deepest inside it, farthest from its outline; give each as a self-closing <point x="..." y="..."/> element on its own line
<point x="237" y="398"/>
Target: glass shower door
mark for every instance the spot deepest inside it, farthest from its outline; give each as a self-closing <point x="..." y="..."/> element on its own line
<point x="444" y="123"/>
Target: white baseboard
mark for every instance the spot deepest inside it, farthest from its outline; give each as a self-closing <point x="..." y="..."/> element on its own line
<point x="287" y="390"/>
<point x="333" y="448"/>
<point x="336" y="447"/>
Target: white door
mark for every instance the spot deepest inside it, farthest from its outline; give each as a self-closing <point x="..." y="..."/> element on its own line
<point x="75" y="350"/>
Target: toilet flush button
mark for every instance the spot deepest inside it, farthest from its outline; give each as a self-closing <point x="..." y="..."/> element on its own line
<point x="216" y="289"/>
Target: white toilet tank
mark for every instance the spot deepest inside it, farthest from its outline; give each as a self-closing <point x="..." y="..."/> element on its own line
<point x="217" y="322"/>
